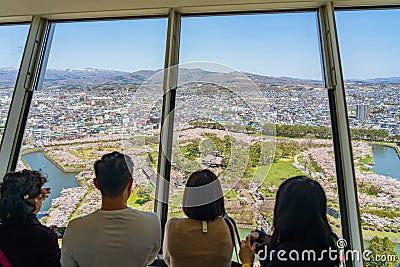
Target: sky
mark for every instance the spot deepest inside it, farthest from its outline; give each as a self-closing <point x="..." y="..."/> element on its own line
<point x="270" y="44"/>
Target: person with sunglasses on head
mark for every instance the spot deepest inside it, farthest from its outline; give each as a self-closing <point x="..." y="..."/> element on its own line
<point x="114" y="235"/>
<point x="24" y="241"/>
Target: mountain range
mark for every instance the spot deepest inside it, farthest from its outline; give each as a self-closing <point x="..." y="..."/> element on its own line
<point x="106" y="79"/>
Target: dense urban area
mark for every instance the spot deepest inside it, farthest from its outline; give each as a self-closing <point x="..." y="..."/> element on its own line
<point x="253" y="131"/>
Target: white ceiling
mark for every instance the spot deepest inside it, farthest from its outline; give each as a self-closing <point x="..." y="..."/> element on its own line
<point x="19" y="10"/>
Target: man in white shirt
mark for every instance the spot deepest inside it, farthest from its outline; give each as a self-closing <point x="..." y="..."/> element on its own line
<point x="115" y="235"/>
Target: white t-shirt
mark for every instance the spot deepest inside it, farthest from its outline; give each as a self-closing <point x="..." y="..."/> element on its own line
<point x="114" y="238"/>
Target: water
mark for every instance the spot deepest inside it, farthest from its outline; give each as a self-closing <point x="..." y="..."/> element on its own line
<point x="57" y="179"/>
<point x="387" y="161"/>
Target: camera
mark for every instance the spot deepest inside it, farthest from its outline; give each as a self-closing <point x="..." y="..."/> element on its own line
<point x="59" y="231"/>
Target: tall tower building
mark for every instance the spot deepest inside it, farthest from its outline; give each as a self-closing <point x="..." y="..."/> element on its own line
<point x="362" y="112"/>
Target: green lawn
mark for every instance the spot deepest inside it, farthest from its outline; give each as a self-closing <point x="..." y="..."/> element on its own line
<point x="259" y="173"/>
<point x="153" y="157"/>
<point x="230" y="194"/>
<point x="367" y="160"/>
<point x="280" y="170"/>
<point x="91" y="153"/>
<point x="75" y="153"/>
<point x="300" y="159"/>
<point x="390" y="235"/>
<point x="134" y="201"/>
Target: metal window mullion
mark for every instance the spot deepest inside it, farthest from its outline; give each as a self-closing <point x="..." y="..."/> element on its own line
<point x="346" y="181"/>
<point x="30" y="77"/>
<point x="167" y="119"/>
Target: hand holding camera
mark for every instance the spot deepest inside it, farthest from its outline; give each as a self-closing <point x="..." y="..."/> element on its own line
<point x="259" y="237"/>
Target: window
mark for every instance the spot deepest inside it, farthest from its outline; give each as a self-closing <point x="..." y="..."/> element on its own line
<point x="251" y="106"/>
<point x="11" y="49"/>
<point x="95" y="100"/>
<point x="369" y="51"/>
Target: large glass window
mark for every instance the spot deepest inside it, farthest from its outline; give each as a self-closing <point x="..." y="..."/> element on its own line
<point x="11" y="49"/>
<point x="370" y="53"/>
<point x="95" y="100"/>
<point x="251" y="106"/>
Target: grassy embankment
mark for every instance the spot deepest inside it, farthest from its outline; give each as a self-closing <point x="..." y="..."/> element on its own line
<point x="367" y="234"/>
<point x="137" y="202"/>
<point x="280" y="170"/>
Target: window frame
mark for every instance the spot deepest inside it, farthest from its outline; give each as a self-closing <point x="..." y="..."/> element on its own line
<point x="34" y="63"/>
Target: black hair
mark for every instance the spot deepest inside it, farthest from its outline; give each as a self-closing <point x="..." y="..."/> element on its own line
<point x="113" y="172"/>
<point x="17" y="196"/>
<point x="300" y="219"/>
<point x="209" y="211"/>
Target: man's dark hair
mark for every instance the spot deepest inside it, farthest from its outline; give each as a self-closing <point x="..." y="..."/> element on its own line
<point x="209" y="211"/>
<point x="113" y="172"/>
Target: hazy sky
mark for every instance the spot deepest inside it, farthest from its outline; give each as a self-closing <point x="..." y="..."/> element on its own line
<point x="273" y="44"/>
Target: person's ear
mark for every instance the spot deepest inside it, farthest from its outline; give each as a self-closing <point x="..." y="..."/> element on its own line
<point x="95" y="183"/>
<point x="130" y="184"/>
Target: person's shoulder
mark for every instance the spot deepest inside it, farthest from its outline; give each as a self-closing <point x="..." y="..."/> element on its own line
<point x="43" y="230"/>
<point x="176" y="219"/>
<point x="179" y="222"/>
<point x="173" y="224"/>
<point x="140" y="213"/>
<point x="82" y="220"/>
<point x="144" y="216"/>
<point x="38" y="225"/>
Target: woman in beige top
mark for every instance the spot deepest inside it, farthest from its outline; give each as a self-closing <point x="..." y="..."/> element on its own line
<point x="202" y="239"/>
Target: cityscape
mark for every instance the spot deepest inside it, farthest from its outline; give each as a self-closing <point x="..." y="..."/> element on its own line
<point x="79" y="115"/>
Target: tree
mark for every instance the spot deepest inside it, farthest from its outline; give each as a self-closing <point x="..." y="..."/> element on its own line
<point x="382" y="253"/>
<point x="144" y="193"/>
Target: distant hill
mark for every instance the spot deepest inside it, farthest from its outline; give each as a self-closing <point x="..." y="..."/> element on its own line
<point x="390" y="80"/>
<point x="107" y="79"/>
<point x="7" y="77"/>
<point x="94" y="78"/>
<point x="384" y="80"/>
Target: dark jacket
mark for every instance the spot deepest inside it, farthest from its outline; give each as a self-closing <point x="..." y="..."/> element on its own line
<point x="29" y="244"/>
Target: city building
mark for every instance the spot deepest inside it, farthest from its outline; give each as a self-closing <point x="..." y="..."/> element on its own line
<point x="362" y="112"/>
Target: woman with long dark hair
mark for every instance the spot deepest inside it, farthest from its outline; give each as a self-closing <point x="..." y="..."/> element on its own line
<point x="301" y="232"/>
<point x="203" y="238"/>
<point x="24" y="241"/>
